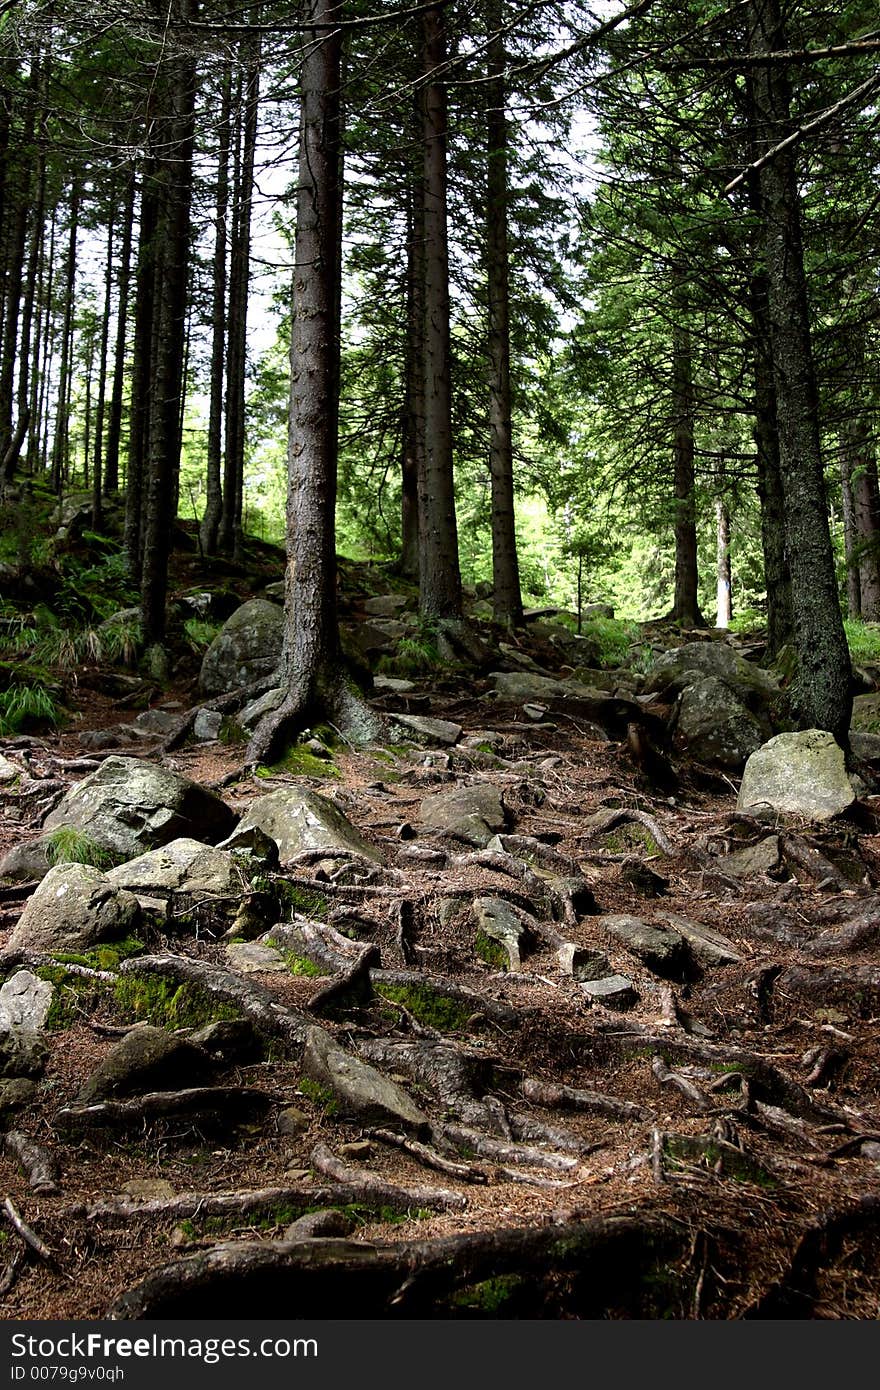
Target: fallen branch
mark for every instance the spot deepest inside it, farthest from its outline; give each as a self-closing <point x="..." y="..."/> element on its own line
<point x="572" y="1098"/>
<point x="423" y="1153"/>
<point x="687" y="1088"/>
<point x="39" y="1165"/>
<point x="23" y="1230"/>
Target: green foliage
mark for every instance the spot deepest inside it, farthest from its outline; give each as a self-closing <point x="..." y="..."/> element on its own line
<point x="417" y="655"/>
<point x="200" y="633"/>
<point x="27" y="706"/>
<point x="66" y="844"/>
<point x="105" y="956"/>
<point x="863" y="639"/>
<point x="299" y="762"/>
<point x="319" y="1095"/>
<point x="490" y="1296"/>
<point x="613" y="637"/>
<point x="491" y="952"/>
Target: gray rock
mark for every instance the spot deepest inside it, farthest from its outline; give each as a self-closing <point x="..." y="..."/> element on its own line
<point x="207" y="725"/>
<point x="182" y="867"/>
<point x="23" y="1052"/>
<point x="392" y="685"/>
<point x="247" y="647"/>
<point x="156" y="721"/>
<point x="472" y="813"/>
<point x="250" y="958"/>
<point x="249" y="717"/>
<point x="384" y="605"/>
<point x="581" y="963"/>
<point x="798" y="774"/>
<point x="761" y="858"/>
<point x="429" y="733"/>
<point x="681" y="666"/>
<point x="598" y="610"/>
<point x="129" y="806"/>
<point x="715" y="726"/>
<point x="865" y="746"/>
<point x="147" y="1059"/>
<point x="359" y="1088"/>
<point x="27" y="861"/>
<point x="299" y="819"/>
<point x="614" y="991"/>
<point x="230" y="1040"/>
<point x="528" y="688"/>
<point x="25" y="1001"/>
<point x="706" y="945"/>
<point x="375" y="638"/>
<point x="496" y="919"/>
<point x="661" y="948"/>
<point x="16" y="1093"/>
<point x="8" y="771"/>
<point x="252" y="845"/>
<point x="75" y="907"/>
<point x="291" y="1121"/>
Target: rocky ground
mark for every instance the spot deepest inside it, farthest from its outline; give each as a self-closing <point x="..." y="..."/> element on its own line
<point x="533" y="1021"/>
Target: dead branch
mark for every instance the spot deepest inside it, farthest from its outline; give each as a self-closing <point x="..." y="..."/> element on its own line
<point x="688" y="1088"/>
<point x="40" y="1167"/>
<point x="22" y="1229"/>
<point x="520" y="1155"/>
<point x="430" y="1157"/>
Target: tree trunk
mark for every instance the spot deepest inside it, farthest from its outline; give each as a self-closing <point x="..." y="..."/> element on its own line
<point x="821" y="689"/>
<point x="239" y="275"/>
<point x="29" y="346"/>
<point x="173" y="142"/>
<point x="866" y="518"/>
<point x="685" y="608"/>
<point x="15" y="241"/>
<point x="777" y="576"/>
<point x="853" y="578"/>
<point x="98" y="466"/>
<point x="311" y="663"/>
<point x="413" y="430"/>
<point x="724" y="601"/>
<point x="507" y="606"/>
<point x="59" y="443"/>
<point x="114" y="419"/>
<point x="138" y="410"/>
<point x="439" y="576"/>
<point x="214" y="488"/>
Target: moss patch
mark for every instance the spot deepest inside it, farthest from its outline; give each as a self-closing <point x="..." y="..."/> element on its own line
<point x="491" y="1296"/>
<point x="491" y="952"/>
<point x="319" y="1095"/>
<point x="167" y="1003"/>
<point x="427" y="1005"/>
<point x="299" y="762"/>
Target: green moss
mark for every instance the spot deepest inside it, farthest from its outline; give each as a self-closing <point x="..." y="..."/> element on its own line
<point x="299" y="762"/>
<point x="623" y="839"/>
<point x="231" y="732"/>
<point x="491" y="952"/>
<point x="75" y="996"/>
<point x="297" y="965"/>
<point x="489" y="1296"/>
<point x="104" y="957"/>
<point x="303" y="900"/>
<point x="167" y="1003"/>
<point x="685" y="1150"/>
<point x="430" y="1007"/>
<point x="319" y="1095"/>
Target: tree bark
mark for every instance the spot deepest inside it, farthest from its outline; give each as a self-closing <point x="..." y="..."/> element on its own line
<point x="821" y="689"/>
<point x="439" y="575"/>
<point x="724" y="599"/>
<point x="685" y="608"/>
<point x="213" y="485"/>
<point x="413" y="431"/>
<point x="98" y="467"/>
<point x="62" y="414"/>
<point x="138" y="412"/>
<point x="173" y="142"/>
<point x="507" y="608"/>
<point x="312" y="670"/>
<point x="853" y="579"/>
<point x="114" y="419"/>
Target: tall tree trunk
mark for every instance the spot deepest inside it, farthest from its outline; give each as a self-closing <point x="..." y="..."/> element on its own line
<point x="821" y="689"/>
<point x="850" y="541"/>
<point x="44" y="339"/>
<point x="114" y="419"/>
<point x="685" y="608"/>
<point x="29" y="344"/>
<point x="724" y="607"/>
<point x="139" y="402"/>
<point x="439" y="575"/>
<point x="413" y="429"/>
<point x="239" y="283"/>
<point x="98" y="466"/>
<point x="777" y="576"/>
<point x="213" y="482"/>
<point x="62" y="417"/>
<point x="507" y="606"/>
<point x="311" y="663"/>
<point x="18" y="194"/>
<point x="173" y="137"/>
<point x="866" y="518"/>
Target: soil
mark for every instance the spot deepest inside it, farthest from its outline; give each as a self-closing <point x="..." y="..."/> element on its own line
<point x="781" y="1045"/>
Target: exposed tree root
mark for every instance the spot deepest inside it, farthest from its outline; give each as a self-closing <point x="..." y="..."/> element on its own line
<point x="261" y="1007"/>
<point x="230" y="1105"/>
<point x="603" y="1264"/>
<point x="377" y="1191"/>
<point x="39" y="1165"/>
<point x="793" y="1296"/>
<point x="572" y="1098"/>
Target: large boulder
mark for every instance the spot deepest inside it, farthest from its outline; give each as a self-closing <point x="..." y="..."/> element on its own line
<point x="684" y="666"/>
<point x="246" y="648"/>
<point x="25" y="1001"/>
<point x="74" y="908"/>
<point x="659" y="946"/>
<point x="184" y="866"/>
<point x="797" y="774"/>
<point x="128" y="806"/>
<point x="715" y="726"/>
<point x="299" y="819"/>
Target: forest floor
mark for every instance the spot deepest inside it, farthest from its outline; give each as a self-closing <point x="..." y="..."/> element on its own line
<point x="716" y="1156"/>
